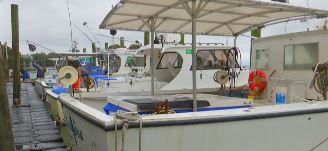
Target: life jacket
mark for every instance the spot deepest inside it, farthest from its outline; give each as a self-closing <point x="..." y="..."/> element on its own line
<point x="77" y="84"/>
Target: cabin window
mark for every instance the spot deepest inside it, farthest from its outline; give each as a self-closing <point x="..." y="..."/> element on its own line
<point x="114" y="63"/>
<point x="301" y="56"/>
<point x="133" y="61"/>
<point x="211" y="59"/>
<point x="262" y="59"/>
<point x="170" y="59"/>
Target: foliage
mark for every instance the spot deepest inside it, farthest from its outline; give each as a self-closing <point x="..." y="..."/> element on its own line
<point x="115" y="46"/>
<point x="134" y="46"/>
<point x="40" y="58"/>
<point x="44" y="59"/>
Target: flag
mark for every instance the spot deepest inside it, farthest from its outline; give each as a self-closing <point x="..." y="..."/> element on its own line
<point x="31" y="47"/>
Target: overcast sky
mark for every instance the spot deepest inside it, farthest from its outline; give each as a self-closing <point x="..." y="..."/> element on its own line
<point x="46" y="22"/>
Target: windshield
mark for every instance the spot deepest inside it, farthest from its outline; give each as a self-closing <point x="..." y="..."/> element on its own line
<point x="213" y="59"/>
<point x="170" y="59"/>
<point x="134" y="61"/>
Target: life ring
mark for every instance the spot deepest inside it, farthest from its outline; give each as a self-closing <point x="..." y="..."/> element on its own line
<point x="257" y="82"/>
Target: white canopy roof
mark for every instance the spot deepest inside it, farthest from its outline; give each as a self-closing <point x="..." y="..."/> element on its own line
<point x="215" y="17"/>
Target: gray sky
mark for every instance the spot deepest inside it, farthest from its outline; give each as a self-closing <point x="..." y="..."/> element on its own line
<point x="46" y="22"/>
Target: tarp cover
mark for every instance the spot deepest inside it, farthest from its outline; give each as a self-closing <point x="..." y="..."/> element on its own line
<point x="215" y="17"/>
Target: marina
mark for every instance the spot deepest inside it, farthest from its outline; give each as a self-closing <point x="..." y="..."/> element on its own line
<point x="165" y="93"/>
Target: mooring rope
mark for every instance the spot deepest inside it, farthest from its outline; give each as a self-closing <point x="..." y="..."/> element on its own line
<point x="126" y="117"/>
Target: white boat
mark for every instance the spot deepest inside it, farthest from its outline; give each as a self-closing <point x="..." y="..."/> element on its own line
<point x="264" y="126"/>
<point x="289" y="59"/>
<point x="173" y="70"/>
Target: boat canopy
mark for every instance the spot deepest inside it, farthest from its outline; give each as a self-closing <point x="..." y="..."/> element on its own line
<point x="200" y="17"/>
<point x="215" y="17"/>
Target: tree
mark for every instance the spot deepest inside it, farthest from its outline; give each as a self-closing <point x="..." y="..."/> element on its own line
<point x="114" y="46"/>
<point x="134" y="46"/>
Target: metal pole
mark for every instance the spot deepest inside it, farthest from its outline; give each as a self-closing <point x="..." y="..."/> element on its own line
<point x="235" y="41"/>
<point x="194" y="63"/>
<point x="15" y="48"/>
<point x="234" y="62"/>
<point x="108" y="64"/>
<point x="113" y="42"/>
<point x="6" y="134"/>
<point x="152" y="32"/>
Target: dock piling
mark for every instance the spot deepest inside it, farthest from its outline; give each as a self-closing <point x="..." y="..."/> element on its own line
<point x="15" y="48"/>
<point x="6" y="133"/>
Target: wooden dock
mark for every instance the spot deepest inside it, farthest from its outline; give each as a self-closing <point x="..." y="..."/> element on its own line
<point x="33" y="128"/>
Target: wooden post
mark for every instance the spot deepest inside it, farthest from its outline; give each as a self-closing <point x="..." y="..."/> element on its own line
<point x="106" y="46"/>
<point x="146" y="38"/>
<point x="122" y="42"/>
<point x="5" y="56"/>
<point x="6" y="133"/>
<point x="182" y="39"/>
<point x="94" y="50"/>
<point x="15" y="47"/>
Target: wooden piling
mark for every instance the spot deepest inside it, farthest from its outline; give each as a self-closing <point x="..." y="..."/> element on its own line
<point x="6" y="133"/>
<point x="15" y="48"/>
<point x="146" y="38"/>
<point x="5" y="56"/>
<point x="106" y="46"/>
<point x="94" y="50"/>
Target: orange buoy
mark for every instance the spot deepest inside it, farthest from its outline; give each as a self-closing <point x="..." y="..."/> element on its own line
<point x="257" y="82"/>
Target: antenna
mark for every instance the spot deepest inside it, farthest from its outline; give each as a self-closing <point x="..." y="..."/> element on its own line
<point x="83" y="33"/>
<point x="70" y="21"/>
<point x="86" y="25"/>
<point x="115" y="38"/>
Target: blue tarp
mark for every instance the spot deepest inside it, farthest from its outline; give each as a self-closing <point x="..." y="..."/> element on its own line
<point x="58" y="90"/>
<point x="95" y="70"/>
<point x="101" y="77"/>
<point x="111" y="108"/>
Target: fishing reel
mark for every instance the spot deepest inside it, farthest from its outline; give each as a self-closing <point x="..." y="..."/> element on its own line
<point x="68" y="75"/>
<point x="320" y="79"/>
<point x="221" y="77"/>
<point x="89" y="82"/>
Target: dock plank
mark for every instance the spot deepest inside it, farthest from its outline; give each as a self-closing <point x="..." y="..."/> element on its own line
<point x="32" y="125"/>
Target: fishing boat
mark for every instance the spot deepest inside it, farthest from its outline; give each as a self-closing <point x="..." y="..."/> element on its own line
<point x="173" y="72"/>
<point x="199" y="122"/>
<point x="116" y="62"/>
<point x="289" y="60"/>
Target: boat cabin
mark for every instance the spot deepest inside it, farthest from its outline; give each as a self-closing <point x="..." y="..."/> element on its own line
<point x="174" y="66"/>
<point x="288" y="61"/>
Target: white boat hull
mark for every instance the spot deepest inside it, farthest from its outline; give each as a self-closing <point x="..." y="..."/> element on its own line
<point x="293" y="127"/>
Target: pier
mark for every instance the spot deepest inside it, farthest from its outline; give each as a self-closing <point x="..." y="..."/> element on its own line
<point x="33" y="128"/>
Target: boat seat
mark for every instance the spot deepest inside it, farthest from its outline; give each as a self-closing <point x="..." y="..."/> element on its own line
<point x="148" y="104"/>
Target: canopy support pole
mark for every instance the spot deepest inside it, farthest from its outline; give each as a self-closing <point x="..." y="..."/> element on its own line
<point x="194" y="85"/>
<point x="108" y="64"/>
<point x="152" y="38"/>
<point x="233" y="80"/>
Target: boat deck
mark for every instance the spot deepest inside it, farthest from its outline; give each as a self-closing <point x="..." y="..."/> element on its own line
<point x="96" y="103"/>
<point x="32" y="126"/>
<point x="214" y="100"/>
